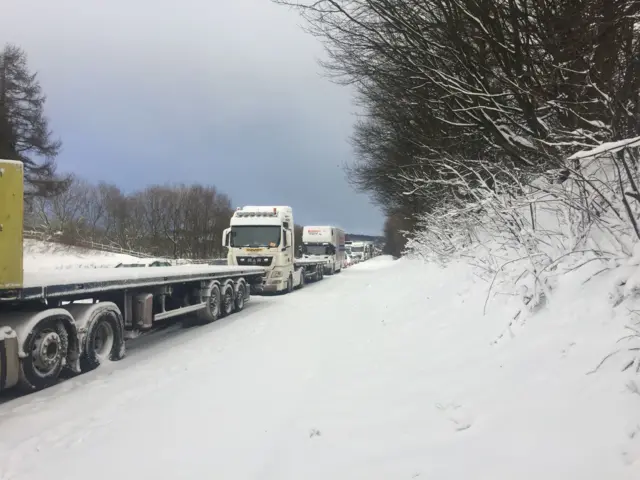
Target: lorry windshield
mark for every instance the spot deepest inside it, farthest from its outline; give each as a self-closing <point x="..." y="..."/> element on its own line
<point x="255" y="236"/>
<point x="357" y="249"/>
<point x="316" y="249"/>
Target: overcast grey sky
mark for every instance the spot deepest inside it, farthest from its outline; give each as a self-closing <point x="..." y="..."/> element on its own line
<point x="226" y="92"/>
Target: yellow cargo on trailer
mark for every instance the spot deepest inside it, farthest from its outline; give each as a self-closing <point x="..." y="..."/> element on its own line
<point x="11" y="276"/>
<point x="11" y="219"/>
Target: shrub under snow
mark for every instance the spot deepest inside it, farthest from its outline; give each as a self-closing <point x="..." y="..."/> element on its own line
<point x="524" y="235"/>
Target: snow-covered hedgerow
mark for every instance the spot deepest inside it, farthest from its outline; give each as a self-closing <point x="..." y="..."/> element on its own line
<point x="523" y="234"/>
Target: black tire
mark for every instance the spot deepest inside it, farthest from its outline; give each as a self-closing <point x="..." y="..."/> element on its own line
<point x="240" y="293"/>
<point x="211" y="312"/>
<point x="228" y="301"/>
<point x="289" y="284"/>
<point x="104" y="340"/>
<point x="46" y="347"/>
<point x="302" y="279"/>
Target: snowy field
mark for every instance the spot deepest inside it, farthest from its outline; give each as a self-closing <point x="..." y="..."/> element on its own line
<point x="388" y="370"/>
<point x="45" y="256"/>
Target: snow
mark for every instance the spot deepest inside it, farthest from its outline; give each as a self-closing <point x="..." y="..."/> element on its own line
<point x="11" y="162"/>
<point x="608" y="147"/>
<point x="43" y="256"/>
<point x="48" y="263"/>
<point x="405" y="378"/>
<point x="68" y="277"/>
<point x="6" y="332"/>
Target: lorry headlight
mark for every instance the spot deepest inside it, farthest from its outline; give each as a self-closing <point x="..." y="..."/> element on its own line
<point x="276" y="273"/>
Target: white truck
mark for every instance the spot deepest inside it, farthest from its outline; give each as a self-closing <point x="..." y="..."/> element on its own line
<point x="73" y="320"/>
<point x="263" y="236"/>
<point x="369" y="248"/>
<point x="358" y="251"/>
<point x="361" y="251"/>
<point x="325" y="243"/>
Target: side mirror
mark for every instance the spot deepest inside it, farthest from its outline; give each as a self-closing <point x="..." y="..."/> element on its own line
<point x="286" y="240"/>
<point x="225" y="237"/>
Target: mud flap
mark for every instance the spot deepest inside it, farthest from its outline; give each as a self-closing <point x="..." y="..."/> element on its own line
<point x="9" y="360"/>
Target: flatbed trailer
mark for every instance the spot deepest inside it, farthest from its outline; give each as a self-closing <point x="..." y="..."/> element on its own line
<point x="77" y="322"/>
<point x="312" y="269"/>
<point x="68" y="285"/>
<point x="73" y="321"/>
<point x="304" y="271"/>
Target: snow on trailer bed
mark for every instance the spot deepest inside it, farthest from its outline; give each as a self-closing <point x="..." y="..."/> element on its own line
<point x="51" y="284"/>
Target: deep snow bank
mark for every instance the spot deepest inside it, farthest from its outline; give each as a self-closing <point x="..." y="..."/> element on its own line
<point x="386" y="371"/>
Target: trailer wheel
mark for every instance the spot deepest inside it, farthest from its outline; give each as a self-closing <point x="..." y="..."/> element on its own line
<point x="240" y="293"/>
<point x="211" y="312"/>
<point x="103" y="341"/>
<point x="46" y="349"/>
<point x="228" y="300"/>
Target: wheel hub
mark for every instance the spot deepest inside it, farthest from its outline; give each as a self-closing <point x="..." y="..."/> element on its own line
<point x="47" y="350"/>
<point x="213" y="302"/>
<point x="240" y="296"/>
<point x="103" y="340"/>
<point x="228" y="300"/>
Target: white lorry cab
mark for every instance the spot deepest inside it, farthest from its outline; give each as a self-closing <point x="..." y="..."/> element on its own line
<point x="368" y="250"/>
<point x="263" y="236"/>
<point x="358" y="251"/>
<point x="326" y="243"/>
<point x="347" y="246"/>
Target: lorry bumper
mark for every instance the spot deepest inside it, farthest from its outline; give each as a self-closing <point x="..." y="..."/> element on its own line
<point x="9" y="359"/>
<point x="271" y="288"/>
<point x="265" y="288"/>
<point x="273" y="285"/>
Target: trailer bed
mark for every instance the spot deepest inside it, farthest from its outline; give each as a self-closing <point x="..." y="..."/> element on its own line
<point x="60" y="283"/>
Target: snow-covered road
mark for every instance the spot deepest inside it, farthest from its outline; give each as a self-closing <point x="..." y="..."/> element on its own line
<point x="386" y="371"/>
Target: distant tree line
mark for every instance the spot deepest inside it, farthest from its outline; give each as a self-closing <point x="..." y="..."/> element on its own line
<point x="466" y="95"/>
<point x="177" y="221"/>
<point x="359" y="237"/>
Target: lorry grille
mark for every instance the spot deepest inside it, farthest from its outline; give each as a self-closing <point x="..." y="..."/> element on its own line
<point x="257" y="261"/>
